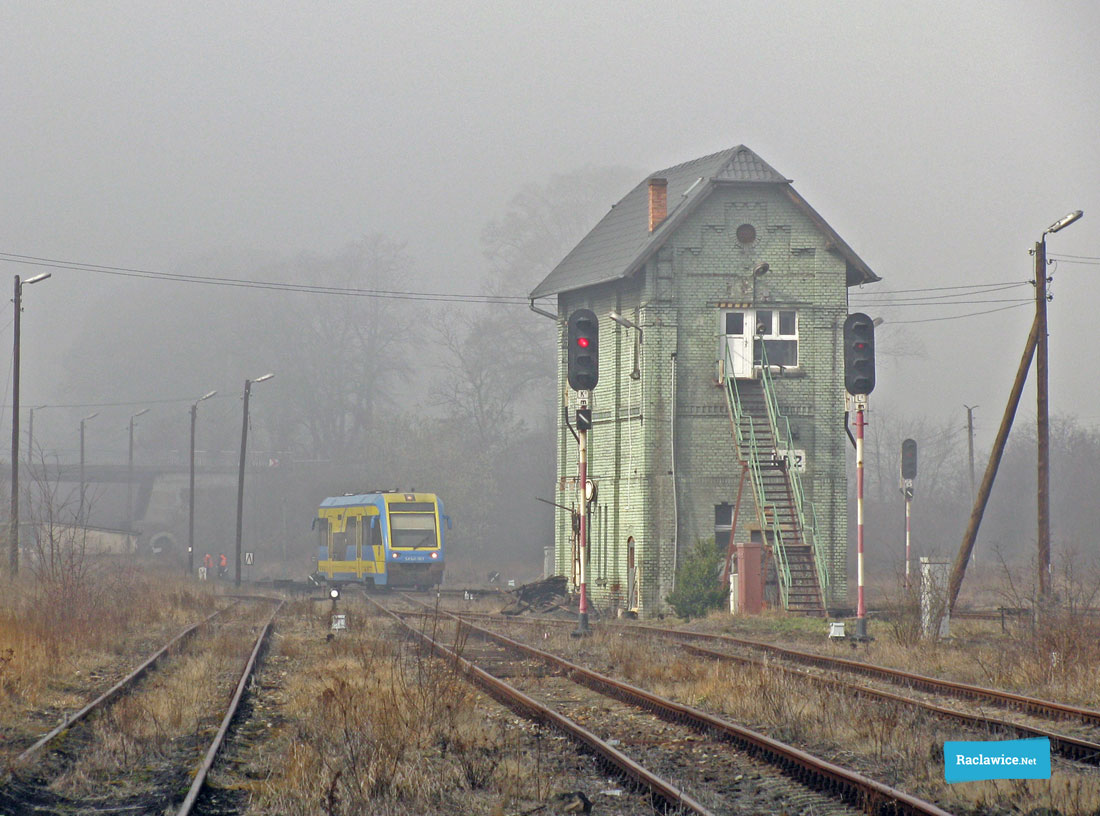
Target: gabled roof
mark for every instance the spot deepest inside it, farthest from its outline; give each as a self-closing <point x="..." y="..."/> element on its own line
<point x="621" y="242"/>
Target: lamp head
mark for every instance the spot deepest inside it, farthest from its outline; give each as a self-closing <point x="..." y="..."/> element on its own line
<point x="1064" y="222"/>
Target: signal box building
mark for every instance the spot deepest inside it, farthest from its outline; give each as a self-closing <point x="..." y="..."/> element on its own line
<point x="720" y="378"/>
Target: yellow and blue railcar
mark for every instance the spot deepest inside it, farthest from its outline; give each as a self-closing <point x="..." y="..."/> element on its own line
<point x="386" y="538"/>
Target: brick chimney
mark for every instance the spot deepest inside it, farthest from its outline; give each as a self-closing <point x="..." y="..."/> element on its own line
<point x="658" y="202"/>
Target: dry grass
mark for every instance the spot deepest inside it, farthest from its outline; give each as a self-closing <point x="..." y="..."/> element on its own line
<point x="166" y="724"/>
<point x="58" y="648"/>
<point x="372" y="724"/>
<point x="892" y="743"/>
<point x="42" y="628"/>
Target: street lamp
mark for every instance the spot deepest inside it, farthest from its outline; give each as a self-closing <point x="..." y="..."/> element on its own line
<point x="636" y="374"/>
<point x="13" y="532"/>
<point x="80" y="514"/>
<point x="191" y="492"/>
<point x="130" y="482"/>
<point x="1042" y="398"/>
<point x="240" y="473"/>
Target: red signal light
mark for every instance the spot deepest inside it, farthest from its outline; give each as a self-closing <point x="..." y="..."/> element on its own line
<point x="582" y="342"/>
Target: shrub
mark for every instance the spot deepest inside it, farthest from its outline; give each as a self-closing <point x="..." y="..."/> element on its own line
<point x="697" y="590"/>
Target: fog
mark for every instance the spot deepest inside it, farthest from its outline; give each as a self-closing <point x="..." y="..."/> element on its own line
<point x="263" y="141"/>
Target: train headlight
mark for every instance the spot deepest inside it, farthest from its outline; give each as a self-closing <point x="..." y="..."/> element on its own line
<point x="334" y="593"/>
<point x="395" y="555"/>
<point x="435" y="555"/>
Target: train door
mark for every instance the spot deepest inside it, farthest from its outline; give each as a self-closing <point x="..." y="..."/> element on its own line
<point x="351" y="530"/>
<point x="322" y="528"/>
<point x="377" y="549"/>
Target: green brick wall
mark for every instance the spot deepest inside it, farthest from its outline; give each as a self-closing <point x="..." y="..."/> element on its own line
<point x="676" y="301"/>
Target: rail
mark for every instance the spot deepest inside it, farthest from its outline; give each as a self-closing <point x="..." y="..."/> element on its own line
<point x="863" y="792"/>
<point x="530" y="708"/>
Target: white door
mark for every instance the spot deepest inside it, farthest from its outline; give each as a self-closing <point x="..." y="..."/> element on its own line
<point x="738" y="328"/>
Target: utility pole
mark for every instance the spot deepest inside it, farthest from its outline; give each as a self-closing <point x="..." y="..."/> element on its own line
<point x="958" y="570"/>
<point x="13" y="520"/>
<point x="130" y="483"/>
<point x="970" y="444"/>
<point x="191" y="490"/>
<point x="970" y="448"/>
<point x="13" y="530"/>
<point x="1043" y="416"/>
<point x="240" y="473"/>
<point x="1042" y="400"/>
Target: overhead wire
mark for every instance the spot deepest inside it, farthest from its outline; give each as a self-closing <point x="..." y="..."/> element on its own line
<point x="970" y="314"/>
<point x="247" y="283"/>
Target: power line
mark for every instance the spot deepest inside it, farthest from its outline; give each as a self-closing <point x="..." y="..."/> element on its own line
<point x="1076" y="257"/>
<point x="128" y="403"/>
<point x="899" y="304"/>
<point x="245" y="283"/>
<point x="959" y="317"/>
<point x="975" y="286"/>
<point x="987" y="291"/>
<point x="1067" y="259"/>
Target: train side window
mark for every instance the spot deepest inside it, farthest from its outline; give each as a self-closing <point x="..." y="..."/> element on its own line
<point x="375" y="532"/>
<point x="322" y="539"/>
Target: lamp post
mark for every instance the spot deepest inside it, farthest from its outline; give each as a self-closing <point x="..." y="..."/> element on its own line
<point x="191" y="491"/>
<point x="80" y="514"/>
<point x="636" y="374"/>
<point x="1042" y="399"/>
<point x="13" y="531"/>
<point x="240" y="473"/>
<point x="130" y="482"/>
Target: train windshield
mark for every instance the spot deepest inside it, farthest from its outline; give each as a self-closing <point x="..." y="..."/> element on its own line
<point x="413" y="531"/>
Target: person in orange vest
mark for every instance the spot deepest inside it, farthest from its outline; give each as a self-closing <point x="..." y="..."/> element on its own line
<point x="223" y="565"/>
<point x="208" y="562"/>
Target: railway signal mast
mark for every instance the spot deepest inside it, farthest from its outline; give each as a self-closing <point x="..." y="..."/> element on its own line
<point x="859" y="381"/>
<point x="908" y="475"/>
<point x="583" y="372"/>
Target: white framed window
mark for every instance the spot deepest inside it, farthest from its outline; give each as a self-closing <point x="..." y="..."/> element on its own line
<point x="777" y="330"/>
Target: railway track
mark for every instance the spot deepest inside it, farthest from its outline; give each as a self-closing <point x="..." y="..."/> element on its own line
<point x="62" y="771"/>
<point x="934" y="685"/>
<point x="1069" y="747"/>
<point x="833" y="783"/>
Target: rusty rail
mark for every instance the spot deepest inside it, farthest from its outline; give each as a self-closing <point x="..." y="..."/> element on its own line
<point x="199" y="781"/>
<point x="1006" y="699"/>
<point x="122" y="685"/>
<point x="1069" y="747"/>
<point x="531" y="709"/>
<point x="861" y="791"/>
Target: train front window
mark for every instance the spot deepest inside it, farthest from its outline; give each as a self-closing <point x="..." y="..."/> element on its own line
<point x="413" y="531"/>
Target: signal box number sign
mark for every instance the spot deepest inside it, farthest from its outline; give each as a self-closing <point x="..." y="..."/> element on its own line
<point x="249" y="558"/>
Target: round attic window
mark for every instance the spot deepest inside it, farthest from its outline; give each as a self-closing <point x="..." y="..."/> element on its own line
<point x="746" y="233"/>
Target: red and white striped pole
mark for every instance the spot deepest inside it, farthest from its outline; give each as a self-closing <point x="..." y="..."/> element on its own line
<point x="861" y="607"/>
<point x="907" y="530"/>
<point x="582" y="621"/>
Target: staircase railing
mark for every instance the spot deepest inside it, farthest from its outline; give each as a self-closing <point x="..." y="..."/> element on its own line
<point x="781" y="430"/>
<point x="766" y="510"/>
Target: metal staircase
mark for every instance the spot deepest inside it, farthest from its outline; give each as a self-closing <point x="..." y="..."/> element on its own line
<point x="787" y="519"/>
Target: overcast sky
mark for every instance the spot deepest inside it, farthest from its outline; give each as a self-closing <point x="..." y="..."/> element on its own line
<point x="939" y="139"/>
